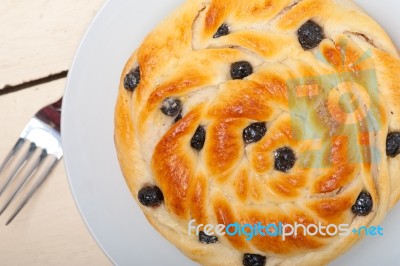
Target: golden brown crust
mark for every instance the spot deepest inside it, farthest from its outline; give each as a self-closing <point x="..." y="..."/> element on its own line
<point x="228" y="181"/>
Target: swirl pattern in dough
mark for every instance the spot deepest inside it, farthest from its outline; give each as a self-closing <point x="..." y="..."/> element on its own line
<point x="262" y="111"/>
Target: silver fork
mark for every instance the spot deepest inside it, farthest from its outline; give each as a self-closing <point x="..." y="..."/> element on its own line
<point x="42" y="135"/>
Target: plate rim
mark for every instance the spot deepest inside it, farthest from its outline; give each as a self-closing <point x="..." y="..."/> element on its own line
<point x="66" y="94"/>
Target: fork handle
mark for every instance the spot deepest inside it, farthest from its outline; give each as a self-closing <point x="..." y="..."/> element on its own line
<point x="51" y="114"/>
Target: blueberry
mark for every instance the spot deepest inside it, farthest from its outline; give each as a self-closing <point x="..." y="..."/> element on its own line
<point x="310" y="35"/>
<point x="254" y="132"/>
<point x="363" y="205"/>
<point x="132" y="79"/>
<point x="206" y="239"/>
<point x="241" y="69"/>
<point x="171" y="107"/>
<point x="284" y="159"/>
<point x="393" y="144"/>
<point x="178" y="117"/>
<point x="198" y="139"/>
<point x="254" y="260"/>
<point x="222" y="31"/>
<point x="150" y="196"/>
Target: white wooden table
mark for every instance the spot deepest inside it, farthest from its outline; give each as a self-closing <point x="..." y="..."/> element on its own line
<point x="38" y="41"/>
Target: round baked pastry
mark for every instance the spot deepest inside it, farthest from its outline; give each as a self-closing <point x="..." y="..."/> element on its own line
<point x="269" y="112"/>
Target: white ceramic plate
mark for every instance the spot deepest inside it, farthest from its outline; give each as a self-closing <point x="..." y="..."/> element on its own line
<point x="105" y="203"/>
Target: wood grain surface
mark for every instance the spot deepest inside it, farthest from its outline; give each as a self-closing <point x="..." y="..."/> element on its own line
<point x="39" y="39"/>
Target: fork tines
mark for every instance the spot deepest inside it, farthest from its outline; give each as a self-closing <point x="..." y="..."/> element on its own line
<point x="22" y="164"/>
<point x="31" y="160"/>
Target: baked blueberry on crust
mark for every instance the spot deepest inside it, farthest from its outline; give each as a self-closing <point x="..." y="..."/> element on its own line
<point x="207" y="239"/>
<point x="222" y="31"/>
<point x="393" y="144"/>
<point x="150" y="196"/>
<point x="171" y="106"/>
<point x="253" y="111"/>
<point x="132" y="79"/>
<point x="310" y="35"/>
<point x="241" y="69"/>
<point x="254" y="260"/>
<point x="254" y="132"/>
<point x="284" y="159"/>
<point x="363" y="205"/>
<point x="198" y="139"/>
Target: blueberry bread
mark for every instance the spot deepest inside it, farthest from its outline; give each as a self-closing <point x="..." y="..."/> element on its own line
<point x="262" y="111"/>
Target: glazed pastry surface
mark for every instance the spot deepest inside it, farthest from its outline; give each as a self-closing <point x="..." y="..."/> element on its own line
<point x="265" y="111"/>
